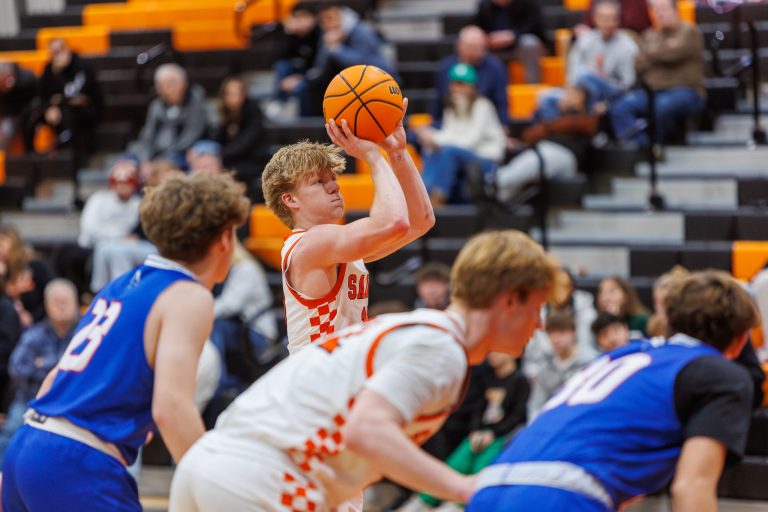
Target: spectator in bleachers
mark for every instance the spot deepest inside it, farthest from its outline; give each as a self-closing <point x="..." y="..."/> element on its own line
<point x="346" y="41"/>
<point x="38" y="351"/>
<point x="204" y="157"/>
<point x="634" y="17"/>
<point x="433" y="286"/>
<point x="472" y="49"/>
<point x="515" y="27"/>
<point x="71" y="101"/>
<point x="176" y="119"/>
<point x="615" y="295"/>
<point x="245" y="326"/>
<point x="112" y="258"/>
<point x="671" y="62"/>
<point x="10" y="330"/>
<point x="27" y="275"/>
<point x="602" y="62"/>
<point x="471" y="136"/>
<point x="560" y="364"/>
<point x="108" y="215"/>
<point x="297" y="48"/>
<point x="558" y="144"/>
<point x="657" y="323"/>
<point x="240" y="132"/>
<point x="500" y="411"/>
<point x="18" y="88"/>
<point x="611" y="331"/>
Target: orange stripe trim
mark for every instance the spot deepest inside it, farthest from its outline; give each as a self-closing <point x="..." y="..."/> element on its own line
<point x="313" y="303"/>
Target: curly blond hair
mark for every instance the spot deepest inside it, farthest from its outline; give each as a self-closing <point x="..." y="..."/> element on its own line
<point x="496" y="262"/>
<point x="185" y="215"/>
<point x="289" y="165"/>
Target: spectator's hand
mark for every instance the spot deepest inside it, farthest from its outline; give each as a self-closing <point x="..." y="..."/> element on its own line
<point x="396" y="141"/>
<point x="21" y="284"/>
<point x="289" y="83"/>
<point x="53" y="116"/>
<point x="25" y="317"/>
<point x="349" y="142"/>
<point x="333" y="38"/>
<point x="480" y="439"/>
<point x="426" y="135"/>
<point x="600" y="108"/>
<point x="501" y="39"/>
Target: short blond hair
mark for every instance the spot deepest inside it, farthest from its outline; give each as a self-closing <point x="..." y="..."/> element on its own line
<point x="185" y="215"/>
<point x="496" y="262"/>
<point x="289" y="165"/>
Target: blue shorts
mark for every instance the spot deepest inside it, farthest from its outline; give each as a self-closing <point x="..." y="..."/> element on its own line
<point x="511" y="498"/>
<point x="44" y="472"/>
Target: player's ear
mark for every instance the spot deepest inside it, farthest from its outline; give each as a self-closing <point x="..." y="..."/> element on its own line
<point x="289" y="200"/>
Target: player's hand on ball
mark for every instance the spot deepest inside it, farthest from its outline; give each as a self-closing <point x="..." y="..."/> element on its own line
<point x="355" y="147"/>
<point x="396" y="141"/>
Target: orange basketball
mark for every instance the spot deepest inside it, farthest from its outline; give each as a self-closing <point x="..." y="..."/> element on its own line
<point x="368" y="98"/>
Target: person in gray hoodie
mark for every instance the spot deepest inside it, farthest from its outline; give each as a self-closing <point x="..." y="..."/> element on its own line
<point x="176" y="119"/>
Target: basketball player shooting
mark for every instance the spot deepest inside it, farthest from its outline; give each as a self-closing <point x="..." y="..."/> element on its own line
<point x="323" y="263"/>
<point x="132" y="361"/>
<point x="353" y="407"/>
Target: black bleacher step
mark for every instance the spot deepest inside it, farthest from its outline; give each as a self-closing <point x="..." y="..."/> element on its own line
<point x="456" y="221"/>
<point x="722" y="93"/>
<point x="654" y="260"/>
<point x="121" y="58"/>
<point x="86" y="2"/>
<point x="753" y="191"/>
<point x="38" y="167"/>
<point x="72" y="15"/>
<point x="418" y="74"/>
<point x="259" y="58"/>
<point x="757" y="442"/>
<point x="709" y="226"/>
<point x="312" y="128"/>
<point x="557" y="16"/>
<point x="139" y="37"/>
<point x="745" y="480"/>
<point x="420" y="100"/>
<point x="403" y="291"/>
<point x="747" y="11"/>
<point x="126" y="107"/>
<point x="409" y="51"/>
<point x="113" y="136"/>
<point x="24" y="40"/>
<point x="454" y="22"/>
<point x="750" y="225"/>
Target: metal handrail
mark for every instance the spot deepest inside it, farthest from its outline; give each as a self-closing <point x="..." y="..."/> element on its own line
<point x="147" y="57"/>
<point x="241" y="6"/>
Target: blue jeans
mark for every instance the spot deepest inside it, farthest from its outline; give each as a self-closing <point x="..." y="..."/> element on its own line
<point x="227" y="337"/>
<point x="14" y="419"/>
<point x="445" y="170"/>
<point x="671" y="105"/>
<point x="283" y="69"/>
<point x="599" y="89"/>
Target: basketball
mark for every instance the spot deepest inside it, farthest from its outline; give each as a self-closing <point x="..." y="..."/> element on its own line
<point x="368" y="98"/>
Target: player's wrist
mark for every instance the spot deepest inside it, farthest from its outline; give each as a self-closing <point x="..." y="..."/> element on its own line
<point x="397" y="154"/>
<point x="372" y="156"/>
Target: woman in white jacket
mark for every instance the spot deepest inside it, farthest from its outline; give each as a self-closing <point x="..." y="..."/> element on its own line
<point x="471" y="135"/>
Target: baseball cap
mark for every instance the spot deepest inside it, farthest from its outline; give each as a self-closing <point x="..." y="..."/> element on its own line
<point x="207" y="147"/>
<point x="463" y="73"/>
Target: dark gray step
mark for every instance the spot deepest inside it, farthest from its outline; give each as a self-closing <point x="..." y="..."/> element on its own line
<point x="745" y="480"/>
<point x="654" y="260"/>
<point x="24" y="40"/>
<point x="139" y="37"/>
<point x="72" y="15"/>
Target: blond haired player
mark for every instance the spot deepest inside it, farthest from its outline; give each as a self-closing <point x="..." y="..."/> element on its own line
<point x="325" y="282"/>
<point x="351" y="408"/>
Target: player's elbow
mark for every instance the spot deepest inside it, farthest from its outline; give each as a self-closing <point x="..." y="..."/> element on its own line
<point x="398" y="226"/>
<point x="165" y="411"/>
<point x="685" y="491"/>
<point x="427" y="223"/>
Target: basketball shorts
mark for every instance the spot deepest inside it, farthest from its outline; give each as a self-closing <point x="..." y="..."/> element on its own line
<point x="43" y="471"/>
<point x="509" y="498"/>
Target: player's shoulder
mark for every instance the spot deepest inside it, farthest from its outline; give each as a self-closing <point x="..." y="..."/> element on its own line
<point x="186" y="294"/>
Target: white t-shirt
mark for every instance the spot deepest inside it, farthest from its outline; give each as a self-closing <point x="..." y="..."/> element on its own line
<point x="413" y="360"/>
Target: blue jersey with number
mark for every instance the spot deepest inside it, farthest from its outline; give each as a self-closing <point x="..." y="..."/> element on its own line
<point x="104" y="381"/>
<point x="616" y="418"/>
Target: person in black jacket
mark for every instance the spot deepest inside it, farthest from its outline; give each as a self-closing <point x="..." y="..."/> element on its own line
<point x="18" y="88"/>
<point x="240" y="133"/>
<point x="515" y="28"/>
<point x="10" y="330"/>
<point x="70" y="100"/>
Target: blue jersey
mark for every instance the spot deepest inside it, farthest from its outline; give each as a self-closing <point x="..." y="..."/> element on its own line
<point x="616" y="418"/>
<point x="104" y="382"/>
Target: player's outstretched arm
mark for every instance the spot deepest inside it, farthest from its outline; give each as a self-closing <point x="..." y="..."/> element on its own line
<point x="374" y="431"/>
<point x="186" y="317"/>
<point x="694" y="488"/>
<point x="421" y="217"/>
<point x="329" y="244"/>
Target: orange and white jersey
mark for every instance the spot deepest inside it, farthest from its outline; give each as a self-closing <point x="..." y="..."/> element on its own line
<point x="309" y="318"/>
<point x="297" y="412"/>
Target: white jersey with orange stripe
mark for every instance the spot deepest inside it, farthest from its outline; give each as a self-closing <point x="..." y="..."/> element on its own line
<point x="413" y="360"/>
<point x="309" y="319"/>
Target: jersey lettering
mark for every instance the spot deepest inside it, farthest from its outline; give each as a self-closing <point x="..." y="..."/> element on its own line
<point x="596" y="382"/>
<point x="90" y="336"/>
<point x="358" y="289"/>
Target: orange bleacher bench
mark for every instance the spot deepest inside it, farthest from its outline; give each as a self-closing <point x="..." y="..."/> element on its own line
<point x="31" y="60"/>
<point x="266" y="249"/>
<point x="265" y="224"/>
<point x="552" y="71"/>
<point x="206" y="35"/>
<point x="2" y="167"/>
<point x="523" y="99"/>
<point x="576" y="5"/>
<point x="92" y="40"/>
<point x="748" y="258"/>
